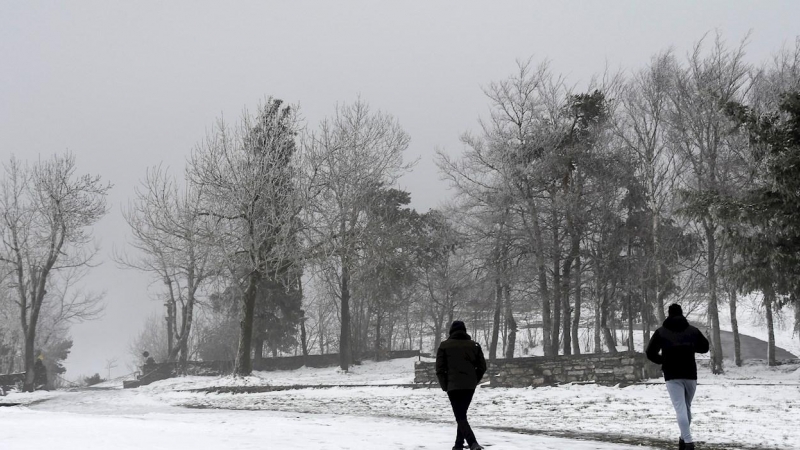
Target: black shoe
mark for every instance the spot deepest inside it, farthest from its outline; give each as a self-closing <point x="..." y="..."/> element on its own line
<point x="689" y="446"/>
<point x="681" y="444"/>
<point x="477" y="446"/>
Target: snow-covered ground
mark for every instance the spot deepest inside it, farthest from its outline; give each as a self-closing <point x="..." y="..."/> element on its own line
<point x="237" y="430"/>
<point x="143" y="419"/>
<point x="748" y="407"/>
<point x="372" y="406"/>
<point x="752" y="323"/>
<point x="752" y="406"/>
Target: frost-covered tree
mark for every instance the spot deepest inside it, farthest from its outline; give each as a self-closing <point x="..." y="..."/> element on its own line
<point x="699" y="130"/>
<point x="248" y="176"/>
<point x="170" y="237"/>
<point x="353" y="153"/>
<point x="47" y="211"/>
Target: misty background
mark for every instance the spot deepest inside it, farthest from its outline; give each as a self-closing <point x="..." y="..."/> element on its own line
<point x="125" y="86"/>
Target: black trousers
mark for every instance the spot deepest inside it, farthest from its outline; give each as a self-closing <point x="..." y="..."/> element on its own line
<point x="460" y="400"/>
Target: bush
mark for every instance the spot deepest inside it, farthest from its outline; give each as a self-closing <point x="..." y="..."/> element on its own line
<point x="94" y="379"/>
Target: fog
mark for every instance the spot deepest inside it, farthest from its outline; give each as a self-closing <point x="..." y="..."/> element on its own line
<point x="129" y="85"/>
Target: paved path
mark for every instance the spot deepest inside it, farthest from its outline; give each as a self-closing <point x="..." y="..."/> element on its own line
<point x="751" y="348"/>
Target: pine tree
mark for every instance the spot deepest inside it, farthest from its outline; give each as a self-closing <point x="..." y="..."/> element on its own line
<point x="765" y="219"/>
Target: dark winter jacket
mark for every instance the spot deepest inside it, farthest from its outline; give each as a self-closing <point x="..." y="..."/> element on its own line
<point x="678" y="342"/>
<point x="459" y="362"/>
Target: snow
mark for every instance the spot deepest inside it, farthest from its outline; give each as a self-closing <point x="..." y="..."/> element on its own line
<point x="393" y="372"/>
<point x="135" y="419"/>
<point x="752" y="323"/>
<point x="372" y="406"/>
<point x="750" y="403"/>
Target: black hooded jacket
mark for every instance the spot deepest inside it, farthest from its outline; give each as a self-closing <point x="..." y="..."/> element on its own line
<point x="678" y="342"/>
<point x="459" y="362"/>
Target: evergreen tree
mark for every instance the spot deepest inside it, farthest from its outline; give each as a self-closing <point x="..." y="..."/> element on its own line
<point x="765" y="218"/>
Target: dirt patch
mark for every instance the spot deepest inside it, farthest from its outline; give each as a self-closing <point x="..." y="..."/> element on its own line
<point x="293" y="387"/>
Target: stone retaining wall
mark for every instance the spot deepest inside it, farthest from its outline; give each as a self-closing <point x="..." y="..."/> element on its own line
<point x="10" y="380"/>
<point x="603" y="368"/>
<point x="161" y="371"/>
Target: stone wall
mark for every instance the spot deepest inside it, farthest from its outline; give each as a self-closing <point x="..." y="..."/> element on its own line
<point x="603" y="368"/>
<point x="161" y="371"/>
<point x="12" y="379"/>
<point x="329" y="360"/>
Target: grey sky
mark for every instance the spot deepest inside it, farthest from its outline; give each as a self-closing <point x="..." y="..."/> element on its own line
<point x="127" y="85"/>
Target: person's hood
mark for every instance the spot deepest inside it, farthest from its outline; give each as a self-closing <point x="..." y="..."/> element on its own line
<point x="460" y="335"/>
<point x="676" y="323"/>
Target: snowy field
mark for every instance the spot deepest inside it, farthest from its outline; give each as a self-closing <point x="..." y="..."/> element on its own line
<point x="752" y="406"/>
<point x="749" y="407"/>
<point x="136" y="419"/>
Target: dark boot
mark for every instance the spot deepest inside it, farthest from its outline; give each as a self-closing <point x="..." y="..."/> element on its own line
<point x="681" y="444"/>
<point x="689" y="446"/>
<point x="476" y="446"/>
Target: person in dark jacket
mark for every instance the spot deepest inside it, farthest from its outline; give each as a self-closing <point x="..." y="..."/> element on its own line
<point x="460" y="366"/>
<point x="677" y="342"/>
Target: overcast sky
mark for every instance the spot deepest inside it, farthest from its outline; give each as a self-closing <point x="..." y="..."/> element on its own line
<point x="127" y="85"/>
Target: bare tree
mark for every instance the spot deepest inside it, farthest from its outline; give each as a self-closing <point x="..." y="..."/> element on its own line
<point x="642" y="127"/>
<point x="510" y="166"/>
<point x="169" y="235"/>
<point x="248" y="176"/>
<point x="152" y="338"/>
<point x="47" y="211"/>
<point x="353" y="153"/>
<point x="110" y="365"/>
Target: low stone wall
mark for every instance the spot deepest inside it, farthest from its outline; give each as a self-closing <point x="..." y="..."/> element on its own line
<point x="603" y="368"/>
<point x="329" y="360"/>
<point x="12" y="379"/>
<point x="296" y="362"/>
<point x="161" y="371"/>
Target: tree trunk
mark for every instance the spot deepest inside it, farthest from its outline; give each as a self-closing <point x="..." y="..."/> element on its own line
<point x="498" y="309"/>
<point x="547" y="324"/>
<point x="258" y="352"/>
<point x="184" y="355"/>
<point x="244" y="366"/>
<point x="660" y="314"/>
<point x="713" y="312"/>
<point x="737" y="345"/>
<point x="187" y="318"/>
<point x="630" y="322"/>
<point x="378" y="338"/>
<point x="609" y="337"/>
<point x="544" y="292"/>
<point x="576" y="319"/>
<point x="556" y="332"/>
<point x="437" y="333"/>
<point x="732" y="304"/>
<point x="321" y="332"/>
<point x="598" y="343"/>
<point x="303" y="336"/>
<point x="511" y="324"/>
<point x="565" y="305"/>
<point x="796" y="302"/>
<point x="345" y="355"/>
<point x="646" y="316"/>
<point x="170" y="330"/>
<point x="30" y="360"/>
<point x="769" y="301"/>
